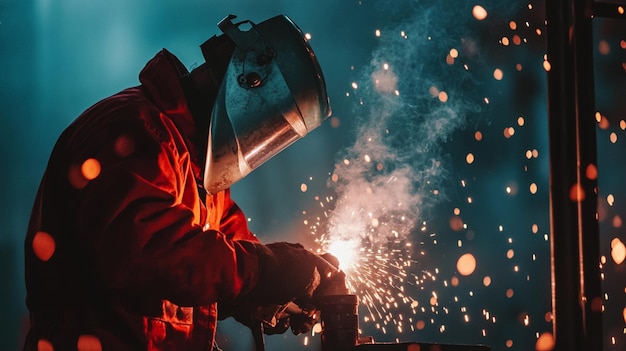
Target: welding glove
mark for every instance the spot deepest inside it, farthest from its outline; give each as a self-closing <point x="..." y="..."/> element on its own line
<point x="288" y="273"/>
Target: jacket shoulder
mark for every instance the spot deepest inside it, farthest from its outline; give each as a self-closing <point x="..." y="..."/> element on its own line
<point x="126" y="114"/>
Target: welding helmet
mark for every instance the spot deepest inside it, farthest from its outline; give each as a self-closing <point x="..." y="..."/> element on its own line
<point x="273" y="93"/>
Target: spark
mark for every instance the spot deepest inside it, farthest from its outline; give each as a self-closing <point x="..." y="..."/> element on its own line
<point x="388" y="252"/>
<point x="346" y="253"/>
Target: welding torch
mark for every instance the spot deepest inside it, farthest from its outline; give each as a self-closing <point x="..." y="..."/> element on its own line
<point x="331" y="304"/>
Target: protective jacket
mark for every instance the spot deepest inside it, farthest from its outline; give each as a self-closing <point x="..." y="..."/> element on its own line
<point x="124" y="250"/>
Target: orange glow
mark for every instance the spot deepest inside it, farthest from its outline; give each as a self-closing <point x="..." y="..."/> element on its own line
<point x="614" y="242"/>
<point x="335" y="122"/>
<point x="547" y="66"/>
<point x="420" y="325"/>
<point x="517" y="40"/>
<point x="524" y="318"/>
<point x="596" y="304"/>
<point x="591" y="172"/>
<point x="44" y="345"/>
<point x="466" y="264"/>
<point x="317" y="328"/>
<point x="443" y="96"/>
<point x="529" y="154"/>
<point x="533" y="188"/>
<point x="124" y="146"/>
<point x="510" y="253"/>
<point x="88" y="343"/>
<point x="487" y="280"/>
<point x="618" y="251"/>
<point x="345" y="251"/>
<point x="624" y="314"/>
<point x="303" y="188"/>
<point x="604" y="48"/>
<point x="577" y="193"/>
<point x="509" y="132"/>
<point x="478" y="135"/>
<point x="603" y="122"/>
<point x="90" y="169"/>
<point x="413" y="347"/>
<point x="513" y="25"/>
<point x="509" y="293"/>
<point x="509" y="343"/>
<point x="454" y="281"/>
<point x="617" y="221"/>
<point x="454" y="53"/>
<point x="456" y="223"/>
<point x="520" y="121"/>
<point x="498" y="74"/>
<point x="548" y="317"/>
<point x="479" y="12"/>
<point x="511" y="189"/>
<point x="433" y="91"/>
<point x="545" y="342"/>
<point x="469" y="158"/>
<point x="449" y="59"/>
<point x="75" y="177"/>
<point x="44" y="246"/>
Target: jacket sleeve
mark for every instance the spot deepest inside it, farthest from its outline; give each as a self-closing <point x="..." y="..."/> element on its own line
<point x="141" y="218"/>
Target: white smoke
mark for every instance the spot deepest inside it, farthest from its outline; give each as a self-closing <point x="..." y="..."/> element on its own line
<point x="412" y="97"/>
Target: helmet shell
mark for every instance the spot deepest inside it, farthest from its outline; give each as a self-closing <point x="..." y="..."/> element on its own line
<point x="273" y="93"/>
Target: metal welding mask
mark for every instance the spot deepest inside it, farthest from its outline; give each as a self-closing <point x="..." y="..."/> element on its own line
<point x="273" y="93"/>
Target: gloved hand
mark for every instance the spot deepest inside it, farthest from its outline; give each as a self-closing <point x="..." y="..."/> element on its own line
<point x="275" y="319"/>
<point x="288" y="273"/>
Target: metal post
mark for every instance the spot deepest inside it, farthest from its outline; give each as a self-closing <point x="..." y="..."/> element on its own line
<point x="574" y="232"/>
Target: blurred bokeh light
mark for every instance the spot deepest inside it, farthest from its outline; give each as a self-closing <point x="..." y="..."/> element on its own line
<point x="435" y="159"/>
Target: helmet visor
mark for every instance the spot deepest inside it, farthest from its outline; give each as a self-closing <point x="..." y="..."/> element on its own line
<point x="273" y="94"/>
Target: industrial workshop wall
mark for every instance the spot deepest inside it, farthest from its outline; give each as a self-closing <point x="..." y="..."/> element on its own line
<point x="609" y="44"/>
<point x="430" y="182"/>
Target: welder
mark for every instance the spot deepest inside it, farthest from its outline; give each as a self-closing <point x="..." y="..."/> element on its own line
<point x="134" y="242"/>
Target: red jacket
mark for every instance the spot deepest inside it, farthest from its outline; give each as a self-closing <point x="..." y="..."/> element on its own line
<point x="124" y="248"/>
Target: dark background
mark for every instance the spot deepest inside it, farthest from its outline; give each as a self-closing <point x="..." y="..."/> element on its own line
<point x="60" y="56"/>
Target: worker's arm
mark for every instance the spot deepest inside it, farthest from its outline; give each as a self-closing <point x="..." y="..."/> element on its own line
<point x="142" y="221"/>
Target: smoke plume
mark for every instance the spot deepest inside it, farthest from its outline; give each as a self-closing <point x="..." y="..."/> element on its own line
<point x="416" y="92"/>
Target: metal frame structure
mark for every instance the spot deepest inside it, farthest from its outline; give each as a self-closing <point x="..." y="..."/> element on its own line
<point x="574" y="230"/>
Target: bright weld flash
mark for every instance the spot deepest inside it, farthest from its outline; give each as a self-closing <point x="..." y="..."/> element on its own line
<point x="345" y="251"/>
